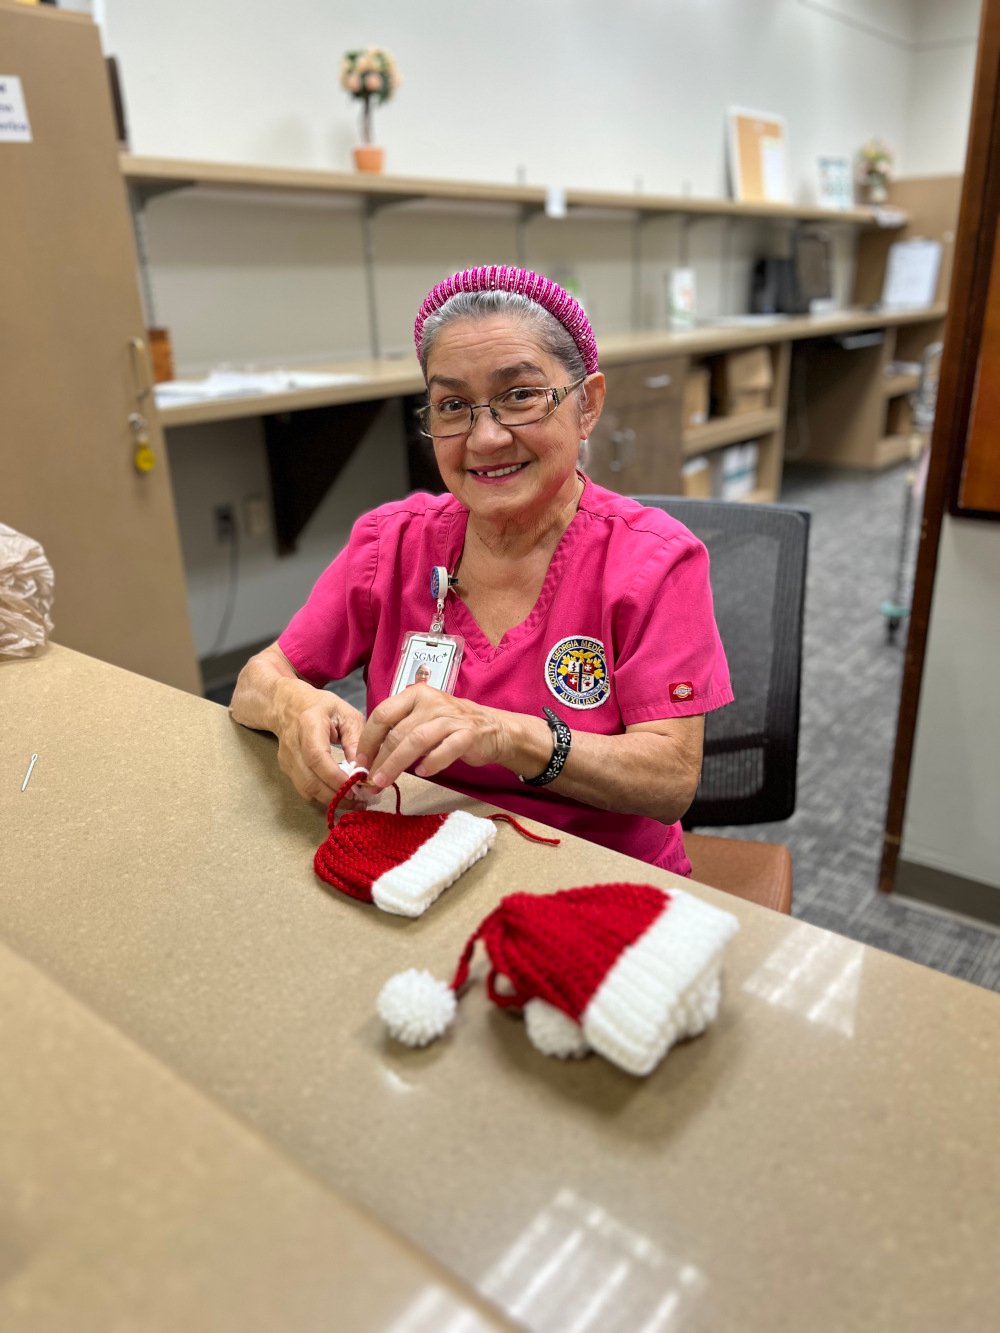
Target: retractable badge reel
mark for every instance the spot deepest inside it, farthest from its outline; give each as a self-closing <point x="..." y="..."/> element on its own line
<point x="431" y="658"/>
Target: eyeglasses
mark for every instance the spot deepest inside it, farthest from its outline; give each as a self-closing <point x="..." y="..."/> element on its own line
<point x="521" y="406"/>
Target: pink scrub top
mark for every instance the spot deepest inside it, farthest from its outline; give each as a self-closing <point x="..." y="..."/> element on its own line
<point x="623" y="632"/>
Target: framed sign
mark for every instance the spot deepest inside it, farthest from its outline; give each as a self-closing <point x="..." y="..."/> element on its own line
<point x="758" y="156"/>
<point x="836" y="184"/>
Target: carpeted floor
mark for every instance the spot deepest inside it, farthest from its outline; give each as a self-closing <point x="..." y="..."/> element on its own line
<point x="850" y="693"/>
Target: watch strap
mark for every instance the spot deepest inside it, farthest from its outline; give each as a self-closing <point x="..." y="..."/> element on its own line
<point x="562" y="739"/>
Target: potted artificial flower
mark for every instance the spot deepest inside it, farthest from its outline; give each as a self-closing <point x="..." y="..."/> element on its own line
<point x="875" y="170"/>
<point x="370" y="76"/>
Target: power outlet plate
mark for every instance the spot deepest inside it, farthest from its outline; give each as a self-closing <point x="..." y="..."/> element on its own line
<point x="225" y="523"/>
<point x="256" y="516"/>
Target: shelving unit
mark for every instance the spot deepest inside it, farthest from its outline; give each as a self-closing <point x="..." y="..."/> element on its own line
<point x="639" y="445"/>
<point x="151" y="176"/>
<point x="148" y="177"/>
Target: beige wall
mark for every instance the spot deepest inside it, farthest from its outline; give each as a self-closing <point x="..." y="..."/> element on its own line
<point x="953" y="810"/>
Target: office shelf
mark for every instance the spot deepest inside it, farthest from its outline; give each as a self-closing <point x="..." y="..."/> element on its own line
<point x="730" y="430"/>
<point x="897" y="385"/>
<point x="150" y="176"/>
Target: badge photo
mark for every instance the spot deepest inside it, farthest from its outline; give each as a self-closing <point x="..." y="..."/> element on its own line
<point x="576" y="672"/>
<point x="428" y="659"/>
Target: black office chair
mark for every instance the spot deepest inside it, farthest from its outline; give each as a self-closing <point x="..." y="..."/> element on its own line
<point x="758" y="571"/>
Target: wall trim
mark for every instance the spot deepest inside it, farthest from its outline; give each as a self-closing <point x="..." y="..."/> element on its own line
<point x="942" y="888"/>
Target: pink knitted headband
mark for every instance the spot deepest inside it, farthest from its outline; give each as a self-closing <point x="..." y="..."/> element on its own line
<point x="501" y="278"/>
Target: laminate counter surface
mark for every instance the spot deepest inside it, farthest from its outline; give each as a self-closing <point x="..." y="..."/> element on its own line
<point x="824" y="1157"/>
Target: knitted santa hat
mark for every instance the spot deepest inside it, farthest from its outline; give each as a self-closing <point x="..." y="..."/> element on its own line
<point x="622" y="969"/>
<point x="401" y="863"/>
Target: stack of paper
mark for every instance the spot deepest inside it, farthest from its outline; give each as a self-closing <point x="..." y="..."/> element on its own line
<point x="240" y="383"/>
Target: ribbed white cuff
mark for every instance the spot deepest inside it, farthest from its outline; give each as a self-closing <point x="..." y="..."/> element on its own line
<point x="409" y="889"/>
<point x="663" y="987"/>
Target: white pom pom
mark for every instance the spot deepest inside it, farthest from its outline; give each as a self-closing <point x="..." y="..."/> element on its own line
<point x="416" y="1007"/>
<point x="553" y="1032"/>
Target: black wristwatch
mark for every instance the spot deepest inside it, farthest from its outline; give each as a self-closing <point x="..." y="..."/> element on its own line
<point x="562" y="738"/>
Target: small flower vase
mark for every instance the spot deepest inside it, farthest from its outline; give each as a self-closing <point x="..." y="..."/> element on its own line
<point x="368" y="157"/>
<point x="877" y="192"/>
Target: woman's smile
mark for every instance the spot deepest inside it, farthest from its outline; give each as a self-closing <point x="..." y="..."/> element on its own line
<point x="495" y="474"/>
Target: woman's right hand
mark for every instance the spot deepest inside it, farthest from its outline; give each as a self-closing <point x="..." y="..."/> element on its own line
<point x="307" y="722"/>
<point x="270" y="695"/>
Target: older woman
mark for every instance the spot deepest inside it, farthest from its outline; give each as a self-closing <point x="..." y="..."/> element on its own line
<point x="581" y="622"/>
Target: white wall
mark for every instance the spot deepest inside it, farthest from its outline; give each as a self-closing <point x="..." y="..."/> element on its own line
<point x="952" y="819"/>
<point x="574" y="91"/>
<point x="953" y="806"/>
<point x="571" y="92"/>
<point x="940" y="94"/>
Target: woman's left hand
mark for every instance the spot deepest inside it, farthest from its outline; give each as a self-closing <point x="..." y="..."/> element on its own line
<point x="431" y="729"/>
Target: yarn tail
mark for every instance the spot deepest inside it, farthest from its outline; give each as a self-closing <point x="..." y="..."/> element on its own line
<point x="525" y="833"/>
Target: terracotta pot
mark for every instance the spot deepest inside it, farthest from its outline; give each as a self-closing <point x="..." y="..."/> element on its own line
<point x="369" y="158"/>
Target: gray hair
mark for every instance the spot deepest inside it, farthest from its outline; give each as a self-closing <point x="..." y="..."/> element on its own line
<point x="553" y="337"/>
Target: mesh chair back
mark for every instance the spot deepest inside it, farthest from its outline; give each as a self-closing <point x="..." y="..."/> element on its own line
<point x="757" y="554"/>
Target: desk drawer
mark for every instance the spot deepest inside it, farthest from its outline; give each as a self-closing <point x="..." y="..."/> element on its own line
<point x="645" y="383"/>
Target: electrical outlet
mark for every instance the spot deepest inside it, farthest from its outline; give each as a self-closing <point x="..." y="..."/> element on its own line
<point x="256" y="519"/>
<point x="225" y="523"/>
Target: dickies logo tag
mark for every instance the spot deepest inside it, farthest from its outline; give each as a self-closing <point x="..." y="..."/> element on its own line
<point x="681" y="691"/>
<point x="576" y="671"/>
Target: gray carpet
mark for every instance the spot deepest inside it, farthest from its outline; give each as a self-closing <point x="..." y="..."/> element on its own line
<point x="850" y="693"/>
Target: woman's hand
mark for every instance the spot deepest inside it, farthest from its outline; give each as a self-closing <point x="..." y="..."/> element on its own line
<point x="271" y="696"/>
<point x="308" y="721"/>
<point x="431" y="729"/>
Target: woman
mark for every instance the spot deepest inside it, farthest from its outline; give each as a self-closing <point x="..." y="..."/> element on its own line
<point x="590" y="651"/>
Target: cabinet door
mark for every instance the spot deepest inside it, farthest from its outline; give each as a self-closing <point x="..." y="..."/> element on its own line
<point x="636" y="446"/>
<point x="637" y="450"/>
<point x="69" y="379"/>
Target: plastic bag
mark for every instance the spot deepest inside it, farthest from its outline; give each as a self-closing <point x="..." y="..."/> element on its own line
<point x="26" y="591"/>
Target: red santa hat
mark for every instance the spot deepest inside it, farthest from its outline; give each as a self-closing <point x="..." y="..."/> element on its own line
<point x="401" y="863"/>
<point x="623" y="969"/>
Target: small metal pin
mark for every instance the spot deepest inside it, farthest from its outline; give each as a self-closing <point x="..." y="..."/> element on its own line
<point x="34" y="760"/>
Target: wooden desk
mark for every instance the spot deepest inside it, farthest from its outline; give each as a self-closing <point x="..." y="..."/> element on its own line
<point x="640" y="445"/>
<point x="390" y="377"/>
<point x="823" y="1158"/>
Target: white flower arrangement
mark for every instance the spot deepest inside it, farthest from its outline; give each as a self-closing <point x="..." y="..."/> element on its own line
<point x="370" y="76"/>
<point x="875" y="163"/>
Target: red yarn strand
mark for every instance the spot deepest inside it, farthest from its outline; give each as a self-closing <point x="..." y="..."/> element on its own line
<point x="526" y="833"/>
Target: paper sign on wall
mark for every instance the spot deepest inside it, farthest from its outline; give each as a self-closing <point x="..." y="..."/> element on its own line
<point x="14" y="127"/>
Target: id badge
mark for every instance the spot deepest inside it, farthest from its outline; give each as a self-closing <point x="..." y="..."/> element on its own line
<point x="429" y="659"/>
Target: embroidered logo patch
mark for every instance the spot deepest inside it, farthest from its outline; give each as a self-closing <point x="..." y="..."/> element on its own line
<point x="681" y="691"/>
<point x="576" y="671"/>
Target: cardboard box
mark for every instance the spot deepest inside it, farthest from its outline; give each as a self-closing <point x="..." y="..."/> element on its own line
<point x="742" y="381"/>
<point x="695" y="400"/>
<point x="698" y="479"/>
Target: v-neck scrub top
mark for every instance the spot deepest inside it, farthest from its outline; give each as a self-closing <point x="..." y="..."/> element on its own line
<point x="622" y="632"/>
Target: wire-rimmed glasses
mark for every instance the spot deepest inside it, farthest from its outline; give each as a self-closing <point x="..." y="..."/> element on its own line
<point x="521" y="406"/>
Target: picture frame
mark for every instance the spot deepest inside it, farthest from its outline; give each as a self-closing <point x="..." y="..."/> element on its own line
<point x="836" y="182"/>
<point x="757" y="143"/>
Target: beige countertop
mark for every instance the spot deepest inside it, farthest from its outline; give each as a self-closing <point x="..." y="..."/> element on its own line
<point x="390" y="377"/>
<point x="823" y="1158"/>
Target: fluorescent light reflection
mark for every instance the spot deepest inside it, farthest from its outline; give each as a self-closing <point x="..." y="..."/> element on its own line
<point x="816" y="974"/>
<point x="575" y="1269"/>
<point x="436" y="1310"/>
